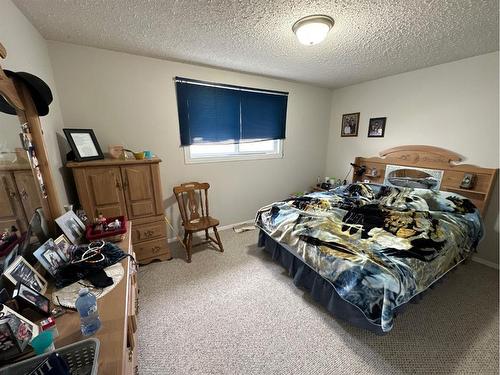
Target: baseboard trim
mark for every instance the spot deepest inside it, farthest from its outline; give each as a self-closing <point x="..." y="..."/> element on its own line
<point x="485" y="262"/>
<point x="224" y="227"/>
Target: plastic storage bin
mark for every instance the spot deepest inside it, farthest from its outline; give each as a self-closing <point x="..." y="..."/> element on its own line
<point x="81" y="357"/>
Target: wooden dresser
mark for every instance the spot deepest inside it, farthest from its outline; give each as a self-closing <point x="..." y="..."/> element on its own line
<point x="118" y="313"/>
<point x="131" y="188"/>
<point x="19" y="196"/>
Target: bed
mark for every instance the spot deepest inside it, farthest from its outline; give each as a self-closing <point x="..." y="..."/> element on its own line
<point x="367" y="249"/>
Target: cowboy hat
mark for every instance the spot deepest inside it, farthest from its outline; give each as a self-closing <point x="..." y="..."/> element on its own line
<point x="39" y="90"/>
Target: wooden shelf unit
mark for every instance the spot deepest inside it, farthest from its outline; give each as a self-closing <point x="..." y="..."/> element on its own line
<point x="130" y="188"/>
<point x="434" y="158"/>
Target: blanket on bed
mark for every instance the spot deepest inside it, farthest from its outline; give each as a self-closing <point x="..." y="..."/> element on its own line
<point x="379" y="246"/>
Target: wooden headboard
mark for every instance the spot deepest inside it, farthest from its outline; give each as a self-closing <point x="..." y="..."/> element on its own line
<point x="433" y="158"/>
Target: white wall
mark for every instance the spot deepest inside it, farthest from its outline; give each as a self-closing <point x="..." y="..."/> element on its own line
<point x="130" y="100"/>
<point x="454" y="106"/>
<point x="27" y="51"/>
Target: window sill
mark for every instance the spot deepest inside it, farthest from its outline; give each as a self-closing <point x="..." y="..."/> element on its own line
<point x="223" y="159"/>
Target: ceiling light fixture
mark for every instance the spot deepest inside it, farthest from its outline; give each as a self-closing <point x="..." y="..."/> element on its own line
<point x="312" y="30"/>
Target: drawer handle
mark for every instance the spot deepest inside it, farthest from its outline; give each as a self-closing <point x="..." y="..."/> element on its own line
<point x="156" y="249"/>
<point x="149" y="233"/>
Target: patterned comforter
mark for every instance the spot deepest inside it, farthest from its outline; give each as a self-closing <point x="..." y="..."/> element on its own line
<point x="379" y="246"/>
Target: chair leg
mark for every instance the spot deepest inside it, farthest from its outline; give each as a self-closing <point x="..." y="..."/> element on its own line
<point x="218" y="239"/>
<point x="185" y="238"/>
<point x="206" y="234"/>
<point x="188" y="246"/>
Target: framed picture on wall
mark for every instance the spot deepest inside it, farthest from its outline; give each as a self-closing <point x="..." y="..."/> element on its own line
<point x="350" y="124"/>
<point x="83" y="144"/>
<point x="376" y="127"/>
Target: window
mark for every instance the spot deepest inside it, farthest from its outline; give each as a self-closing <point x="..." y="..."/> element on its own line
<point x="224" y="122"/>
<point x="201" y="153"/>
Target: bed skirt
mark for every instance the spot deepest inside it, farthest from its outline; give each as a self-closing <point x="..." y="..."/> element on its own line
<point x="320" y="289"/>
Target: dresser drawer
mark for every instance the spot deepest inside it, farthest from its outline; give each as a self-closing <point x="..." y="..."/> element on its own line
<point x="148" y="231"/>
<point x="151" y="249"/>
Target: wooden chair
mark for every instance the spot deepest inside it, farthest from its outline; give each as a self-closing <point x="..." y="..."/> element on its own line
<point x="190" y="199"/>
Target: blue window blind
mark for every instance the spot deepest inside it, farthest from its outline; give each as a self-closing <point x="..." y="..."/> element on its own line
<point x="215" y="113"/>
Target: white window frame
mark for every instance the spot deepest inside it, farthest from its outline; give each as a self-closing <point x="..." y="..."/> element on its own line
<point x="277" y="153"/>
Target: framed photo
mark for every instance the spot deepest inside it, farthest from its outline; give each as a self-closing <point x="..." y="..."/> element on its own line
<point x="27" y="297"/>
<point x="50" y="256"/>
<point x="8" y="342"/>
<point x="65" y="247"/>
<point x="71" y="226"/>
<point x="10" y="258"/>
<point x="21" y="271"/>
<point x="376" y="127"/>
<point x="83" y="144"/>
<point x="350" y="124"/>
<point x="15" y="332"/>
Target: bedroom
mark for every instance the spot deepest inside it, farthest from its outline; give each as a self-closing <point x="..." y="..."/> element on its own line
<point x="429" y="68"/>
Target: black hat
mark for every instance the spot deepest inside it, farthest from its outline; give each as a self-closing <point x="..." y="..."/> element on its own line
<point x="40" y="92"/>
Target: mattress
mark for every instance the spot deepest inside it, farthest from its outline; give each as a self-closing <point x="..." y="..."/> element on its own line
<point x="377" y="247"/>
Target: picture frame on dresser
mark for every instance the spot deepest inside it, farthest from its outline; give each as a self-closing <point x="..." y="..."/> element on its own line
<point x="72" y="227"/>
<point x="84" y="145"/>
<point x="21" y="271"/>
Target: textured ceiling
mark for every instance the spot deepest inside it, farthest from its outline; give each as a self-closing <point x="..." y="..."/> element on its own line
<point x="370" y="39"/>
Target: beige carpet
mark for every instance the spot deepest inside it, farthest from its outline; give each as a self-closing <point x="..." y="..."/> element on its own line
<point x="239" y="313"/>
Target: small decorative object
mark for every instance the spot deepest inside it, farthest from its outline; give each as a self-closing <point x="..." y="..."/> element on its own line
<point x="8" y="241"/>
<point x="58" y="311"/>
<point x="49" y="324"/>
<point x="6" y="237"/>
<point x="99" y="223"/>
<point x="350" y="123"/>
<point x="30" y="298"/>
<point x="376" y="127"/>
<point x="139" y="155"/>
<point x="128" y="154"/>
<point x="148" y="155"/>
<point x="71" y="226"/>
<point x="15" y="333"/>
<point x="115" y="151"/>
<point x="82" y="216"/>
<point x="111" y="229"/>
<point x="68" y="207"/>
<point x="21" y="271"/>
<point x="83" y="144"/>
<point x="468" y="181"/>
<point x="50" y="256"/>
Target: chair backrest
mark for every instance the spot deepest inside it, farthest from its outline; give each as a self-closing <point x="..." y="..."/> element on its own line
<point x="192" y="198"/>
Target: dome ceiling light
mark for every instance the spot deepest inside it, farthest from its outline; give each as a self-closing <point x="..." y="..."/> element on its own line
<point x="312" y="30"/>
